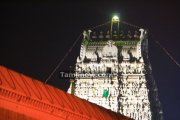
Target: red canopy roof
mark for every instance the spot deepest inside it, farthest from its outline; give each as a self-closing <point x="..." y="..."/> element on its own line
<point x="22" y="97"/>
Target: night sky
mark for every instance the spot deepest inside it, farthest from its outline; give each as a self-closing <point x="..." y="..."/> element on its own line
<point x="35" y="37"/>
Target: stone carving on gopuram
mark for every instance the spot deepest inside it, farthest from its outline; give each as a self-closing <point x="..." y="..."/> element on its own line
<point x="113" y="71"/>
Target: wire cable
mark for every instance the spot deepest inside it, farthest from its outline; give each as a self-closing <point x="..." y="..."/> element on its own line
<point x="62" y="60"/>
<point x="132" y="25"/>
<point x="70" y="49"/>
<point x="167" y="53"/>
<point x="157" y="42"/>
<point x="91" y="28"/>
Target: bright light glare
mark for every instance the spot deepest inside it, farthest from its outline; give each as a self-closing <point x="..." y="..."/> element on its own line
<point x="115" y="18"/>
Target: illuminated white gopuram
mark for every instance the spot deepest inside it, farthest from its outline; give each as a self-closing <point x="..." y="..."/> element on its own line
<point x="114" y="71"/>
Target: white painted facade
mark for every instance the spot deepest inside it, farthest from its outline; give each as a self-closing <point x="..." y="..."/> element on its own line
<point x="114" y="76"/>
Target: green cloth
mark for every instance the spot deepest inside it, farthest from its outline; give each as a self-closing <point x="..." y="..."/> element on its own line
<point x="106" y="93"/>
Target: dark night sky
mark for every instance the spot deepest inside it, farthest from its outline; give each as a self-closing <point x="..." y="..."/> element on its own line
<point x="35" y="37"/>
